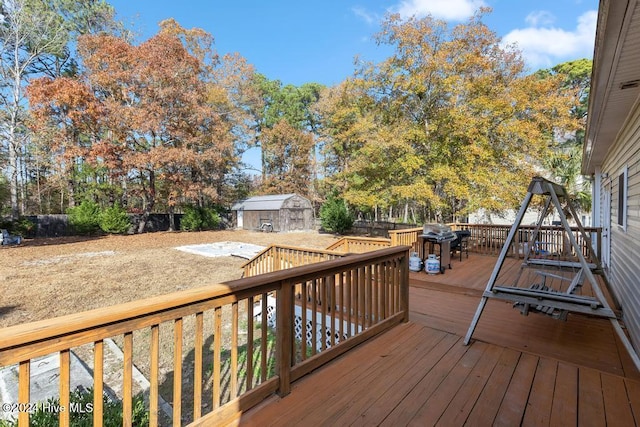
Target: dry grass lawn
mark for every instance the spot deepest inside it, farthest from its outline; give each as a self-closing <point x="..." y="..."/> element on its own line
<point x="45" y="278"/>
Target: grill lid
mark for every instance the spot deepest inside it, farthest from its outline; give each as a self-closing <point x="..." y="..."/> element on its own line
<point x="438" y="232"/>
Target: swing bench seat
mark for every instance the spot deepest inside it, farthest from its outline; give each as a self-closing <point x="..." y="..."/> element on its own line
<point x="551" y="302"/>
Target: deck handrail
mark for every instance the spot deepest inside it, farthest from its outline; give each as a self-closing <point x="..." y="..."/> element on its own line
<point x="352" y="298"/>
<point x="277" y="257"/>
<point x="489" y="238"/>
<point x="352" y="244"/>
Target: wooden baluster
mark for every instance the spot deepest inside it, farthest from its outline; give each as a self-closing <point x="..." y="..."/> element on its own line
<point x="98" y="382"/>
<point x="332" y="299"/>
<point x="341" y="279"/>
<point x="382" y="283"/>
<point x="264" y="350"/>
<point x="382" y="291"/>
<point x="324" y="302"/>
<point x="303" y="330"/>
<point x="249" y="361"/>
<point x="197" y="366"/>
<point x="362" y="297"/>
<point x="349" y="316"/>
<point x="314" y="322"/>
<point x="65" y="383"/>
<point x="234" y="350"/>
<point x="369" y="295"/>
<point x="355" y="300"/>
<point x="24" y="387"/>
<point x="177" y="372"/>
<point x="127" y="380"/>
<point x="217" y="362"/>
<point x="396" y="291"/>
<point x="153" y="388"/>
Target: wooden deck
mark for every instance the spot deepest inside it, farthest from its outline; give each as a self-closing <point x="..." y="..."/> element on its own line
<point x="519" y="370"/>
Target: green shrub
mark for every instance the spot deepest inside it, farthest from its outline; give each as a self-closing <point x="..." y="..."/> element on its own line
<point x="335" y="217"/>
<point x="24" y="227"/>
<point x="85" y="218"/>
<point x="114" y="220"/>
<point x="197" y="219"/>
<point x="81" y="412"/>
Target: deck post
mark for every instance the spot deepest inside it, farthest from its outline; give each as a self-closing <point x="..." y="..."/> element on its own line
<point x="284" y="326"/>
<point x="404" y="285"/>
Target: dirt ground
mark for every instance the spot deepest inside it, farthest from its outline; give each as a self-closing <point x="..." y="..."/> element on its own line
<point x="45" y="278"/>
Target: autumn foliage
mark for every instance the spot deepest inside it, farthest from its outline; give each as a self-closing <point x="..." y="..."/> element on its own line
<point x="449" y="123"/>
<point x="152" y="117"/>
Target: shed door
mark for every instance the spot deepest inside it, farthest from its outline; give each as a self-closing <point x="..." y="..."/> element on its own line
<point x="240" y="218"/>
<point x="296" y="219"/>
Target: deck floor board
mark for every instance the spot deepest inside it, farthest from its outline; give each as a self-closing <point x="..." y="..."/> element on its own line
<point x="529" y="370"/>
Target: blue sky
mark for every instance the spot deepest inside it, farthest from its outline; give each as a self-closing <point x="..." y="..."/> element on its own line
<point x="298" y="42"/>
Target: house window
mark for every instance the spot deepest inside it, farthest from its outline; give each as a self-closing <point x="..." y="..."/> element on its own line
<point x="622" y="198"/>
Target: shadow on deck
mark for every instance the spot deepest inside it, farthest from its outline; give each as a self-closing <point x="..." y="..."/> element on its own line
<point x="519" y="370"/>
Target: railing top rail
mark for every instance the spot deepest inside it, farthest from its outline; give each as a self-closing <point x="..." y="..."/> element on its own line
<point x="20" y="335"/>
<point x="367" y="239"/>
<point x="544" y="227"/>
<point x="262" y="252"/>
<point x="405" y="230"/>
<point x="312" y="250"/>
<point x="297" y="248"/>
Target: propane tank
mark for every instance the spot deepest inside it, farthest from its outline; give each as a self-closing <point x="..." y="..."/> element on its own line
<point x="432" y="266"/>
<point x="415" y="263"/>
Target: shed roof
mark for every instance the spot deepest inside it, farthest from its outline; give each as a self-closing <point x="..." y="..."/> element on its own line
<point x="271" y="202"/>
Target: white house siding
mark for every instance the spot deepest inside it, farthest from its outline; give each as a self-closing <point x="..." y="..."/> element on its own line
<point x="624" y="270"/>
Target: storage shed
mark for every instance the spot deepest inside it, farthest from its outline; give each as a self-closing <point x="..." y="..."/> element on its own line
<point x="284" y="212"/>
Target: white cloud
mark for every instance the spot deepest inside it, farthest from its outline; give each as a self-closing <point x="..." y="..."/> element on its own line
<point x="367" y="16"/>
<point x="545" y="46"/>
<point x="540" y="17"/>
<point x="450" y="10"/>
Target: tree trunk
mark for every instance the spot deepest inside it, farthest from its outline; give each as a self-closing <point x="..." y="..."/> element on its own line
<point x="150" y="204"/>
<point x="172" y="219"/>
<point x="13" y="164"/>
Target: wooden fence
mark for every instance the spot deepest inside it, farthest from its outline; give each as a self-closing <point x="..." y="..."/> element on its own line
<point x="369" y="291"/>
<point x="488" y="239"/>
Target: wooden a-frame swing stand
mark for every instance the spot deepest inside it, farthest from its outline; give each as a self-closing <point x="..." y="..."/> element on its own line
<point x="538" y="297"/>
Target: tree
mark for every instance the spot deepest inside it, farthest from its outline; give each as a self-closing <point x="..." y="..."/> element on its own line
<point x="34" y="38"/>
<point x="29" y="30"/>
<point x="287" y="159"/>
<point x="287" y="124"/>
<point x="449" y="121"/>
<point x="335" y="216"/>
<point x="68" y="113"/>
<point x="565" y="162"/>
<point x="161" y="124"/>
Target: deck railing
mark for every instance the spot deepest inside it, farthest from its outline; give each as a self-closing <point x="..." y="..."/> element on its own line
<point x="207" y="349"/>
<point x="408" y="237"/>
<point x="489" y="238"/>
<point x="358" y="245"/>
<point x="281" y="257"/>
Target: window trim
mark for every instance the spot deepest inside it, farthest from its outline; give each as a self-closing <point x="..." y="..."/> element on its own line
<point x="623" y="196"/>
